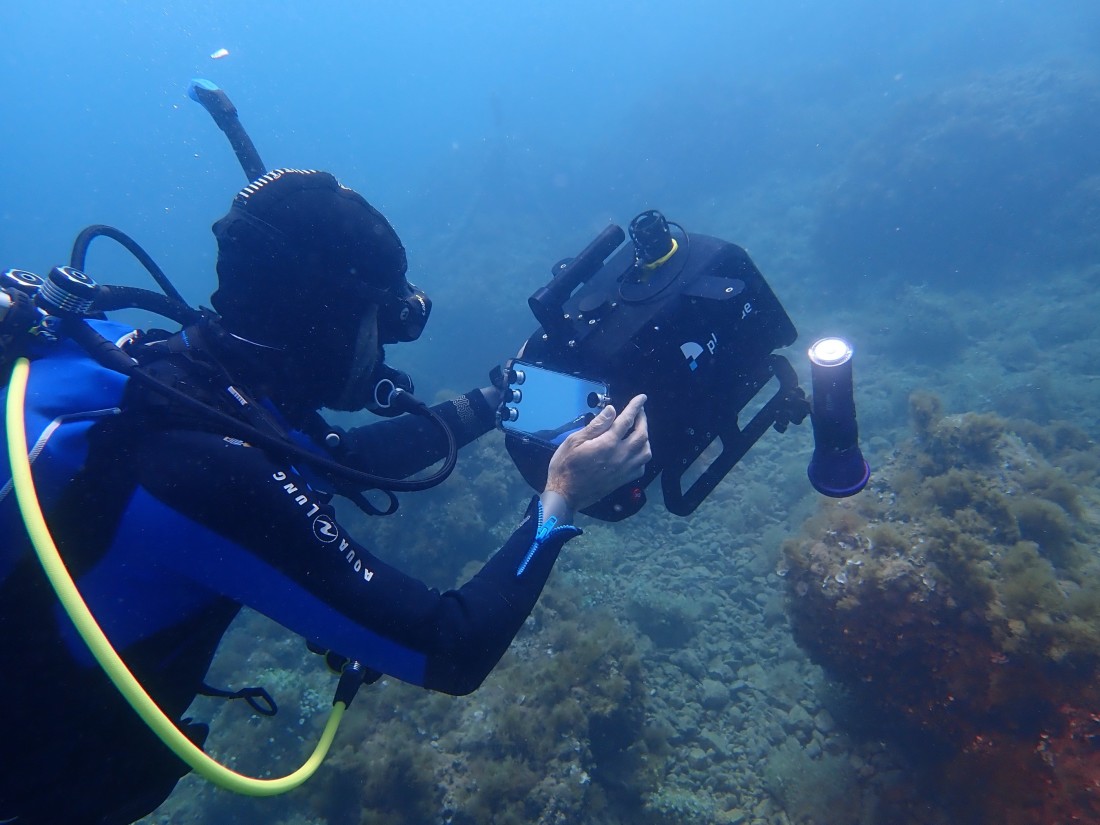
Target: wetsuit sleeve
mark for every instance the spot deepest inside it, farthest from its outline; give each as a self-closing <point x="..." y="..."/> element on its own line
<point x="225" y="516"/>
<point x="409" y="443"/>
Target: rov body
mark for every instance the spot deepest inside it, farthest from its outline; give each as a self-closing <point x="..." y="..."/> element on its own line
<point x="688" y="320"/>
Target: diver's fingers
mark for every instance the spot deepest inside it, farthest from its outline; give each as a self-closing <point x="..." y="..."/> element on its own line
<point x="640" y="432"/>
<point x="638" y="443"/>
<point x="593" y="429"/>
<point x="625" y="420"/>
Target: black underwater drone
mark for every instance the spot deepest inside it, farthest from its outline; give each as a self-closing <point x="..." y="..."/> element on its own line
<point x="689" y="321"/>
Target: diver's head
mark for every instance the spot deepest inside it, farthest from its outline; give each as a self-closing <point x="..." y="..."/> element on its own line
<point x="309" y="269"/>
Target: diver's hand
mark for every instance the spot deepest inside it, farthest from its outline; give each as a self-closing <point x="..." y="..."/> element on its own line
<point x="610" y="451"/>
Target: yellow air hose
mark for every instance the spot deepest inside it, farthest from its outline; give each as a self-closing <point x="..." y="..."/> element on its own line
<point x="101" y="647"/>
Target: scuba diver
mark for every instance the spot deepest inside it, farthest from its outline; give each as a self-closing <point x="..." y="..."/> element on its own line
<point x="177" y="517"/>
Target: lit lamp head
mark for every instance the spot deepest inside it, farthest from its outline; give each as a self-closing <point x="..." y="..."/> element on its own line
<point x="838" y="468"/>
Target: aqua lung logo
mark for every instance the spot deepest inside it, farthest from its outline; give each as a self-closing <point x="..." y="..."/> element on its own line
<point x="693" y="351"/>
<point x="325" y="530"/>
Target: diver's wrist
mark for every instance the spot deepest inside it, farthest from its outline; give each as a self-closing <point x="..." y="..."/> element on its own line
<point x="556" y="505"/>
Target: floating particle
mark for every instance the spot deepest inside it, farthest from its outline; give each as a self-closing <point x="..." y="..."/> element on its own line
<point x="219" y="54"/>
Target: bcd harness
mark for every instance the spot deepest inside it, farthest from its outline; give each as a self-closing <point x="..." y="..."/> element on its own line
<point x="51" y="403"/>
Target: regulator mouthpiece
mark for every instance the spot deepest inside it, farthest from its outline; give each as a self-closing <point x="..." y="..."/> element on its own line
<point x="837" y="468"/>
<point x="389" y="388"/>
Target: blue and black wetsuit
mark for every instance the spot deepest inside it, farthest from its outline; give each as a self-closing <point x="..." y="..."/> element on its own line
<point x="168" y="530"/>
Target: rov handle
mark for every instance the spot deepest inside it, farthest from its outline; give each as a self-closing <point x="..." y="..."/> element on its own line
<point x="547" y="301"/>
<point x="787" y="405"/>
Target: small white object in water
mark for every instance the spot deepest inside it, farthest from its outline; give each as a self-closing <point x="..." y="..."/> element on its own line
<point x="219" y="54"/>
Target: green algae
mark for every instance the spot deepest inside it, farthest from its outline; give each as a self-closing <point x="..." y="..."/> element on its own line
<point x="980" y="524"/>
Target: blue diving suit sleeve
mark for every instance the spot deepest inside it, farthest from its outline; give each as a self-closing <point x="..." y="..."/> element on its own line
<point x="548" y="527"/>
<point x="225" y="516"/>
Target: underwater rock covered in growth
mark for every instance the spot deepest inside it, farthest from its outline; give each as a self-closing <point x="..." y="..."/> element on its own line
<point x="556" y="734"/>
<point x="959" y="598"/>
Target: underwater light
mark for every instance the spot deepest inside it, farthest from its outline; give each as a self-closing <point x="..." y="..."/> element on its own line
<point x="830" y="352"/>
<point x="837" y="468"/>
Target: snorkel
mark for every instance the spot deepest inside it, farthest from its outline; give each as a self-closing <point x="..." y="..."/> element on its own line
<point x="221" y="109"/>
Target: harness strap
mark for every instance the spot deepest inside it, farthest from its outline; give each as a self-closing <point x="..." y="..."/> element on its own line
<point x="258" y="699"/>
<point x="51" y="428"/>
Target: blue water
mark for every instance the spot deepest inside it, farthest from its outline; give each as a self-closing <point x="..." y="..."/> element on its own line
<point x="499" y="137"/>
<point x="604" y="109"/>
